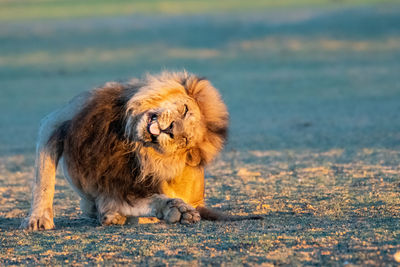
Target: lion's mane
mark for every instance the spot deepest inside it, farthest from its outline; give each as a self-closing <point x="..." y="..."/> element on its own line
<point x="100" y="146"/>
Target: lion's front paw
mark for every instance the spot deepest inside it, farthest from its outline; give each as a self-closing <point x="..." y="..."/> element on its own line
<point x="176" y="210"/>
<point x="34" y="223"/>
<point x="112" y="218"/>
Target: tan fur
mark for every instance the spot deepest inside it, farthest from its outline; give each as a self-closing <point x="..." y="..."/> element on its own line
<point x="119" y="168"/>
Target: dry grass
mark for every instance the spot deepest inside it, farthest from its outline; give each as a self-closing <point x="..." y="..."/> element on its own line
<point x="313" y="95"/>
<point x="330" y="207"/>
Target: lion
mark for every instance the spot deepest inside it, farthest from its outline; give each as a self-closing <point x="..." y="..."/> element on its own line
<point x="135" y="149"/>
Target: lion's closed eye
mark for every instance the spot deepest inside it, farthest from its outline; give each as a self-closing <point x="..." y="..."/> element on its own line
<point x="185" y="112"/>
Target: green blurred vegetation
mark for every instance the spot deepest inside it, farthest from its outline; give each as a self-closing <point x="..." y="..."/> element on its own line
<point x="313" y="93"/>
<point x="13" y="10"/>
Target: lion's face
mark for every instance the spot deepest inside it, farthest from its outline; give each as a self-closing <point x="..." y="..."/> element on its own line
<point x="172" y="125"/>
<point x="176" y="117"/>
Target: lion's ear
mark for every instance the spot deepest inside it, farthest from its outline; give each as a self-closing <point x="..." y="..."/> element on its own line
<point x="193" y="157"/>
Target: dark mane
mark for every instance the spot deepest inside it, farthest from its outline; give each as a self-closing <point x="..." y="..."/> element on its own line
<point x="97" y="151"/>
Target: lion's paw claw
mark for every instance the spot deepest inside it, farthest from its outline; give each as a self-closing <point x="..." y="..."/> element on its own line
<point x="112" y="218"/>
<point x="179" y="211"/>
<point x="34" y="223"/>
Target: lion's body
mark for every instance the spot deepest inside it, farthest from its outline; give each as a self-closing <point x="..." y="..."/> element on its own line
<point x="134" y="149"/>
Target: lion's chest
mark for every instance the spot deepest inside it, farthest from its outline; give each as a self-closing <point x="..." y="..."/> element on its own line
<point x="189" y="186"/>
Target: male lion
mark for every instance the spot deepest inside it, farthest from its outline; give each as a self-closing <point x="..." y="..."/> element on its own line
<point x="134" y="149"/>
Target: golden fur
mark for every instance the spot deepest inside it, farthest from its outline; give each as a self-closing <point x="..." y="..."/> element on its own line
<point x="134" y="149"/>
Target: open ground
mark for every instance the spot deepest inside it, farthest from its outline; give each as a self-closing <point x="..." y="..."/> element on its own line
<point x="314" y="95"/>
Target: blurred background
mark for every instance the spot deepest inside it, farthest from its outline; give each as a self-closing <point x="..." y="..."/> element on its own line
<point x="315" y="74"/>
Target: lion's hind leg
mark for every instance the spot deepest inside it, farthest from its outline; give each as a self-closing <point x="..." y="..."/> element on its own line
<point x="108" y="211"/>
<point x="48" y="152"/>
<point x="88" y="208"/>
<point x="112" y="218"/>
<point x="41" y="214"/>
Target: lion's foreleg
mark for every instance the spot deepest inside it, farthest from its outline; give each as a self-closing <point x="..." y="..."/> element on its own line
<point x="171" y="210"/>
<point x="175" y="210"/>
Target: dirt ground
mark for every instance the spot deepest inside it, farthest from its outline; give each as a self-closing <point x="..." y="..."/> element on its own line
<point x="314" y="146"/>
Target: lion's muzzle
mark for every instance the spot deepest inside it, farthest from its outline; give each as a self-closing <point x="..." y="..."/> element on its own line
<point x="155" y="130"/>
<point x="153" y="127"/>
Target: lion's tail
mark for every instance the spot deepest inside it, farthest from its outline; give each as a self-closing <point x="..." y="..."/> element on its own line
<point x="213" y="215"/>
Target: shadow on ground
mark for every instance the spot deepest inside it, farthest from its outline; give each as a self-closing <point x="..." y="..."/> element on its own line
<point x="314" y="139"/>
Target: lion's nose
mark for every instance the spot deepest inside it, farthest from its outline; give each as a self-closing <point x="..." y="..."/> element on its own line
<point x="169" y="130"/>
